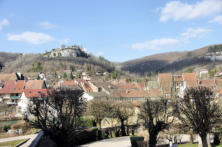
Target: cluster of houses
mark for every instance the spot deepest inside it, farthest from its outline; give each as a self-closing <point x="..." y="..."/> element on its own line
<point x="167" y="85"/>
<point x="18" y="91"/>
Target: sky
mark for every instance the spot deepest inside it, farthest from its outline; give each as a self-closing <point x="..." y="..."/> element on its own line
<point x="118" y="30"/>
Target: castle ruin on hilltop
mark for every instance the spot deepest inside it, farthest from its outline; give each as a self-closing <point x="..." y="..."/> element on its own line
<point x="69" y="51"/>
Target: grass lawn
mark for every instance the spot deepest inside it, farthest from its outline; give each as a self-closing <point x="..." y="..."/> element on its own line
<point x="188" y="145"/>
<point x="13" y="143"/>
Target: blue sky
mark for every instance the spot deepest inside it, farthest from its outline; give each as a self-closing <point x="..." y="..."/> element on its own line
<point x="119" y="30"/>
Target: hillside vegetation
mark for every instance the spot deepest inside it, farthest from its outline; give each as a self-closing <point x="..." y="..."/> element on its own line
<point x="168" y="62"/>
<point x="39" y="63"/>
<point x="164" y="62"/>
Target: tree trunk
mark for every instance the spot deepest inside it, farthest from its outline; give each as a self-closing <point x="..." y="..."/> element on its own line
<point x="204" y="140"/>
<point x="100" y="125"/>
<point x="153" y="139"/>
<point x="99" y="135"/>
<point x="123" y="128"/>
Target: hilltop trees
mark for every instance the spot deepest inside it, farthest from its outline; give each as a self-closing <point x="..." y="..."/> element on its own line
<point x="157" y="116"/>
<point x="215" y="48"/>
<point x="199" y="111"/>
<point x="59" y="115"/>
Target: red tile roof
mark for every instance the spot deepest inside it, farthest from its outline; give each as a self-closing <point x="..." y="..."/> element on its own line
<point x="36" y="93"/>
<point x="190" y="79"/>
<point x="19" y="86"/>
<point x="8" y="77"/>
<point x="130" y="93"/>
<point x="35" y="84"/>
<point x="178" y="78"/>
<point x="131" y="85"/>
<point x="166" y="82"/>
<point x="154" y="92"/>
<point x="84" y="85"/>
<point x="68" y="83"/>
<point x="8" y="87"/>
<point x="207" y="83"/>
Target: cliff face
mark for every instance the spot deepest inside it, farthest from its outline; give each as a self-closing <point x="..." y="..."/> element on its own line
<point x="73" y="51"/>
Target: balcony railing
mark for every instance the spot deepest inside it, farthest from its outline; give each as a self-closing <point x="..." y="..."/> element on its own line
<point x="14" y="97"/>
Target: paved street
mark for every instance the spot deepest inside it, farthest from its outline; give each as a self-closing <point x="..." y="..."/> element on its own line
<point x="114" y="142"/>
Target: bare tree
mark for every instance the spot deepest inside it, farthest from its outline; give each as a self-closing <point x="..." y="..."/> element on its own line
<point x="59" y="114"/>
<point x="157" y="116"/>
<point x="123" y="110"/>
<point x="97" y="108"/>
<point x="199" y="111"/>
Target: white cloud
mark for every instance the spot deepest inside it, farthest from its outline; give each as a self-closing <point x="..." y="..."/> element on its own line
<point x="195" y="33"/>
<point x="31" y="37"/>
<point x="177" y="10"/>
<point x="217" y="19"/>
<point x="156" y="44"/>
<point x="47" y="25"/>
<point x="3" y="23"/>
<point x="165" y="43"/>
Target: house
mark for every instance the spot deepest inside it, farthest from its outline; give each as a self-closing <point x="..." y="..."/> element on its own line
<point x="84" y="85"/>
<point x="130" y="95"/>
<point x="28" y="95"/>
<point x="11" y="92"/>
<point x="210" y="83"/>
<point x="218" y="83"/>
<point x="165" y="81"/>
<point x="203" y="73"/>
<point x="152" y="84"/>
<point x="74" y="85"/>
<point x="218" y="74"/>
<point x="6" y="91"/>
<point x="155" y="93"/>
<point x="85" y="74"/>
<point x="98" y="85"/>
<point x="189" y="81"/>
<point x="177" y="82"/>
<point x="99" y="73"/>
<point x="42" y="76"/>
<point x="218" y="96"/>
<point x="11" y="76"/>
<point x="86" y="78"/>
<point x="35" y="84"/>
<point x="69" y="84"/>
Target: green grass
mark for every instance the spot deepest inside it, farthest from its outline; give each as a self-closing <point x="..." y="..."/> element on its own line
<point x="188" y="145"/>
<point x="13" y="143"/>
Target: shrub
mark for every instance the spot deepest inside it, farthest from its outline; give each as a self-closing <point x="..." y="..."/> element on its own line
<point x="20" y="125"/>
<point x="216" y="139"/>
<point x="86" y="136"/>
<point x="86" y="122"/>
<point x="134" y="139"/>
<point x="6" y="128"/>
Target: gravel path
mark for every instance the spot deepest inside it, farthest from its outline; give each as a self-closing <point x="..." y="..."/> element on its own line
<point x="114" y="142"/>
